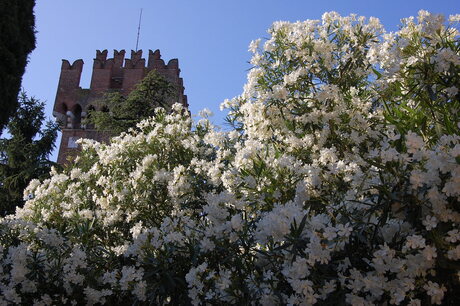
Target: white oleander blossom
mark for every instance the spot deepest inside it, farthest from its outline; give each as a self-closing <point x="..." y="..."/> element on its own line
<point x="338" y="184"/>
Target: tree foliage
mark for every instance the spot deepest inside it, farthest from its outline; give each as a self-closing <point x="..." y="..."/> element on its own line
<point x="333" y="188"/>
<point x="118" y="113"/>
<point x="24" y="155"/>
<point x="17" y="40"/>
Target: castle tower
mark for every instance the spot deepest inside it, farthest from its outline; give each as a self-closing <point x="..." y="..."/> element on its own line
<point x="73" y="103"/>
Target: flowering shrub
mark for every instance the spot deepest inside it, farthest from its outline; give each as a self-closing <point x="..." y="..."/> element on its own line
<point x="340" y="183"/>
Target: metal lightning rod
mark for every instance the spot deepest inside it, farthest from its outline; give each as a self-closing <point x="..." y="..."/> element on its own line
<point x="138" y="29"/>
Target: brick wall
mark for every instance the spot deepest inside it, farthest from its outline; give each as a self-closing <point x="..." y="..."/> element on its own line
<point x="117" y="73"/>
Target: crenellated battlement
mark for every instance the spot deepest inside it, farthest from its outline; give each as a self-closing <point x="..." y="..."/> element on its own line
<point x="77" y="65"/>
<point x="99" y="61"/>
<point x="135" y="62"/>
<point x="109" y="74"/>
<point x="115" y="73"/>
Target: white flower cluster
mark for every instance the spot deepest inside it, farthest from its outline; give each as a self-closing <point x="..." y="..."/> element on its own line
<point x="340" y="183"/>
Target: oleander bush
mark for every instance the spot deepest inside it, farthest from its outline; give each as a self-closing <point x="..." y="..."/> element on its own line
<point x="339" y="183"/>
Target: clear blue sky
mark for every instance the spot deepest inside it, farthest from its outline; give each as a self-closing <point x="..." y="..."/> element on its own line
<point x="209" y="37"/>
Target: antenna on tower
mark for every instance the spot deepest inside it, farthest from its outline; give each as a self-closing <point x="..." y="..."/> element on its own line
<point x="138" y="29"/>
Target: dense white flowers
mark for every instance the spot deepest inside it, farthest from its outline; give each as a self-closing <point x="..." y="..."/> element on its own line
<point x="339" y="183"/>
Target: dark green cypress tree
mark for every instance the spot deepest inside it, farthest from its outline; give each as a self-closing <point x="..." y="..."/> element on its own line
<point x="17" y="40"/>
<point x="24" y="155"/>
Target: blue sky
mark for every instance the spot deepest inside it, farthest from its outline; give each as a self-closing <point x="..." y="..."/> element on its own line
<point x="209" y="37"/>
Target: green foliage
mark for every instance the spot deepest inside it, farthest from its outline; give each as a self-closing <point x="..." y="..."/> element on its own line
<point x="23" y="156"/>
<point x="323" y="194"/>
<point x="17" y="40"/>
<point x="423" y="96"/>
<point x="125" y="112"/>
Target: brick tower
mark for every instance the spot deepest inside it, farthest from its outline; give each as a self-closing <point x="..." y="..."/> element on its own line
<point x="109" y="74"/>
